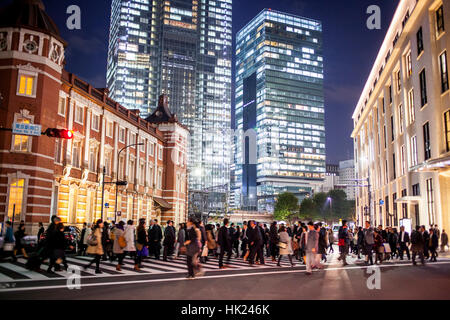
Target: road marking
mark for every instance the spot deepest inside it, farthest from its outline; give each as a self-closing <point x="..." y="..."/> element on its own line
<point x="102" y="284"/>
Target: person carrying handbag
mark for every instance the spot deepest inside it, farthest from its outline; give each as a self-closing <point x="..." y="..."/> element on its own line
<point x="141" y="245"/>
<point x="95" y="246"/>
<point x="119" y="243"/>
<point x="285" y="246"/>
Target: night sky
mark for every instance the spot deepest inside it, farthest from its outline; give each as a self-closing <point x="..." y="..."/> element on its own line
<point x="350" y="49"/>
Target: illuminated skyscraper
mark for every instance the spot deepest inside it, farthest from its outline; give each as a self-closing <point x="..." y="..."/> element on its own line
<point x="181" y="48"/>
<point x="280" y="140"/>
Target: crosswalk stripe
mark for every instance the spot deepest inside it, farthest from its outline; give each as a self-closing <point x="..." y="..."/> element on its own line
<point x="125" y="269"/>
<point x="6" y="269"/>
<point x="21" y="262"/>
<point x="103" y="268"/>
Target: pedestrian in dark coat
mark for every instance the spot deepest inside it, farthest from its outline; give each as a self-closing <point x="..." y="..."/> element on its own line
<point x="417" y="245"/>
<point x="40" y="233"/>
<point x="273" y="240"/>
<point x="444" y="240"/>
<point x="169" y="240"/>
<point x="255" y="243"/>
<point x="244" y="240"/>
<point x="19" y="235"/>
<point x="433" y="244"/>
<point x="344" y="242"/>
<point x="224" y="241"/>
<point x="403" y="243"/>
<point x="59" y="245"/>
<point x="154" y="239"/>
<point x="193" y="245"/>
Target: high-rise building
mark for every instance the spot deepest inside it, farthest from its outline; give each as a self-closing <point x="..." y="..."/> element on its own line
<point x="181" y="48"/>
<point x="347" y="178"/>
<point x="402" y="122"/>
<point x="280" y="138"/>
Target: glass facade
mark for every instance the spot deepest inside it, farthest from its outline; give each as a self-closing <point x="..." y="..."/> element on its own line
<point x="181" y="48"/>
<point x="280" y="123"/>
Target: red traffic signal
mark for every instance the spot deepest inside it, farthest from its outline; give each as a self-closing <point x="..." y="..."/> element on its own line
<point x="59" y="133"/>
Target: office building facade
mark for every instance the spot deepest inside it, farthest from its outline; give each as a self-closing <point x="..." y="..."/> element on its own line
<point x="181" y="48"/>
<point x="402" y="122"/>
<point x="280" y="129"/>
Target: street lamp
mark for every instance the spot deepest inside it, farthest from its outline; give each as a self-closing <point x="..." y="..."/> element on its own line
<point x="120" y="183"/>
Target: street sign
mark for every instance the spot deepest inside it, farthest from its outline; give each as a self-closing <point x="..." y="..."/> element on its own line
<point x="381" y="202"/>
<point x="107" y="205"/>
<point x="27" y="129"/>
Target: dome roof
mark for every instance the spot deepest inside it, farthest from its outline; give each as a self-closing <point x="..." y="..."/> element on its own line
<point x="28" y="14"/>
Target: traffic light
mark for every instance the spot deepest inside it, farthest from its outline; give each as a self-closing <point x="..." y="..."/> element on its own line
<point x="59" y="133"/>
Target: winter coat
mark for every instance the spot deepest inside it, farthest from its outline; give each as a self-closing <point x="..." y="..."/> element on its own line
<point x="417" y="241"/>
<point x="312" y="241"/>
<point x="368" y="236"/>
<point x="211" y="241"/>
<point x="193" y="247"/>
<point x="285" y="238"/>
<point x="224" y="238"/>
<point x="98" y="249"/>
<point x="116" y="247"/>
<point x="444" y="239"/>
<point x="129" y="238"/>
<point x="273" y="235"/>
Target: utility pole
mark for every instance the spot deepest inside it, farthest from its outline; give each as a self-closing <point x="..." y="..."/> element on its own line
<point x="103" y="190"/>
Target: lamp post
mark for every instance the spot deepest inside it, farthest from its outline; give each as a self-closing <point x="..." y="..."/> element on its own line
<point x="117" y="176"/>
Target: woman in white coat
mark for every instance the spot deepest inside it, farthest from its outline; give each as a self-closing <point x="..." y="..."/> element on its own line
<point x="285" y="245"/>
<point x="129" y="236"/>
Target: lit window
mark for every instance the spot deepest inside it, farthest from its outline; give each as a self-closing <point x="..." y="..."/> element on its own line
<point x="16" y="192"/>
<point x="412" y="116"/>
<point x="22" y="143"/>
<point x="408" y="65"/>
<point x="26" y="85"/>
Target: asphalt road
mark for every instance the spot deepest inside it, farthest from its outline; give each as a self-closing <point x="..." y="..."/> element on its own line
<point x="397" y="281"/>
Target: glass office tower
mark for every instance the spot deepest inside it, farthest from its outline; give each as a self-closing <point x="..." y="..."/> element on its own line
<point x="280" y="123"/>
<point x="181" y="48"/>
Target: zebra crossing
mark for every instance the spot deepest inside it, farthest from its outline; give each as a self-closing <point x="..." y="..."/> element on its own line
<point x="16" y="271"/>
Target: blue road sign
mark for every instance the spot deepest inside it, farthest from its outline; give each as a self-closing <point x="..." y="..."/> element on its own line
<point x="27" y="129"/>
<point x="381" y="202"/>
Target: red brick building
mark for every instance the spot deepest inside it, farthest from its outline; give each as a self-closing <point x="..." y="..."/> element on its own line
<point x="42" y="176"/>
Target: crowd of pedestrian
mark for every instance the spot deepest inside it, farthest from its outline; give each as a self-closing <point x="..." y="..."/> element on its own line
<point x="304" y="243"/>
